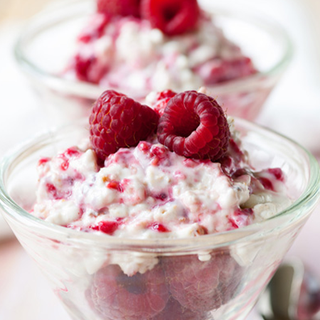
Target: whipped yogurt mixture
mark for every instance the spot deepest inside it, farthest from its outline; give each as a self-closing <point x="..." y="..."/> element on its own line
<point x="128" y="53"/>
<point x="149" y="192"/>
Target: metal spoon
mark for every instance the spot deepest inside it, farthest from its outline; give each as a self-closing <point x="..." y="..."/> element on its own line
<point x="292" y="294"/>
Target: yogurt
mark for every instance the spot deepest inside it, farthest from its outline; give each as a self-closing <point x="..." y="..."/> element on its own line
<point x="127" y="53"/>
<point x="147" y="192"/>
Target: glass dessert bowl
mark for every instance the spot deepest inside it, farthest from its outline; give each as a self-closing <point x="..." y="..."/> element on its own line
<point x="50" y="41"/>
<point x="213" y="276"/>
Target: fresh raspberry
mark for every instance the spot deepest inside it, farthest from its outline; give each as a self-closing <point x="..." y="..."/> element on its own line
<point x="202" y="285"/>
<point x="194" y="125"/>
<point x="162" y="100"/>
<point x="114" y="295"/>
<point x="119" y="7"/>
<point x="117" y="121"/>
<point x="171" y="17"/>
<point x="174" y="310"/>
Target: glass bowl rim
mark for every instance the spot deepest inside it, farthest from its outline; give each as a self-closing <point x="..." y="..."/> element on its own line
<point x="88" y="90"/>
<point x="221" y="239"/>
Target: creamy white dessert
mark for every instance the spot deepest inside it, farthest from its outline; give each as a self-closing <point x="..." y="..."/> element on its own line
<point x="128" y="53"/>
<point x="150" y="192"/>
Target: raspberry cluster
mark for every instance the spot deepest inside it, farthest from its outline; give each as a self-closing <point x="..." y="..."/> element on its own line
<point x="190" y="123"/>
<point x="171" y="17"/>
<point x="178" y="287"/>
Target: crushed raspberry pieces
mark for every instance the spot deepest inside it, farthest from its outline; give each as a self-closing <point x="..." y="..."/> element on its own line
<point x="72" y="152"/>
<point x="166" y="94"/>
<point x="53" y="192"/>
<point x="277" y="172"/>
<point x="159" y="154"/>
<point x="115" y="185"/>
<point x="159" y="151"/>
<point x="171" y="17"/>
<point x="64" y="165"/>
<point x="241" y="218"/>
<point x="194" y="125"/>
<point x="108" y="227"/>
<point x="144" y="146"/>
<point x="95" y="28"/>
<point x="51" y="189"/>
<point x="162" y="100"/>
<point x="156" y="153"/>
<point x="87" y="68"/>
<point x="43" y="161"/>
<point x="230" y="163"/>
<point x="190" y="163"/>
<point x="267" y="184"/>
<point x="69" y="153"/>
<point x="161" y="196"/>
<point x="158" y="227"/>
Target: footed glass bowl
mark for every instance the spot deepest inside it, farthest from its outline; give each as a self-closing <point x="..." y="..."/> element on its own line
<point x="48" y="42"/>
<point x="218" y="276"/>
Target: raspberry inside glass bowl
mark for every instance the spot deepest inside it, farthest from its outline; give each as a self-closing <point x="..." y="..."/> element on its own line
<point x="49" y="41"/>
<point x="217" y="276"/>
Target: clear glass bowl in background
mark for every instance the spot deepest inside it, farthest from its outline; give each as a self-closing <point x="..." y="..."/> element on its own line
<point x="49" y="41"/>
<point x="216" y="276"/>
